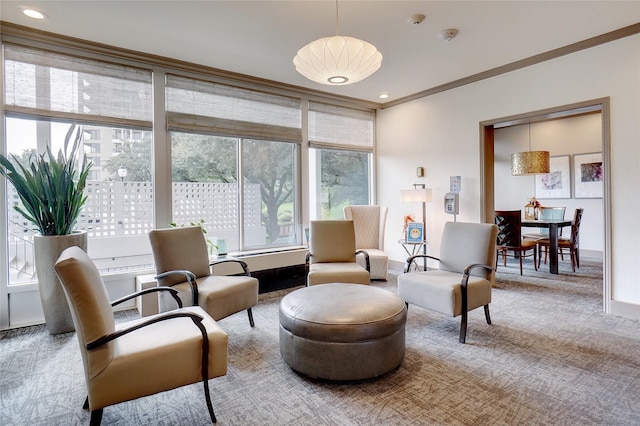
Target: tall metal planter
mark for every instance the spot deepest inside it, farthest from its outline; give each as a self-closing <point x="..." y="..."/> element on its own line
<point x="54" y="303"/>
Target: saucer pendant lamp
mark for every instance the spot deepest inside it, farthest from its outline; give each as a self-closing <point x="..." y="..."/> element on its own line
<point x="337" y="60"/>
<point x="529" y="162"/>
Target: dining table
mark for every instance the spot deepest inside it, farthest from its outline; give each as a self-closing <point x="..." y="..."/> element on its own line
<point x="553" y="225"/>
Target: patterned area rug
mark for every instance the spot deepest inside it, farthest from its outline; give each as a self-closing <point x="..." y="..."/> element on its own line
<point x="551" y="357"/>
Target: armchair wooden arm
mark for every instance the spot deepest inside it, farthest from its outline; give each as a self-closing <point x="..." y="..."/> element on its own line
<point x="173" y="291"/>
<point x="366" y="259"/>
<point x="411" y="259"/>
<point x="191" y="279"/>
<point x="242" y="264"/>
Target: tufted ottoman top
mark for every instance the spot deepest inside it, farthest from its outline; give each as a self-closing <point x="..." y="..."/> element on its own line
<point x="340" y="312"/>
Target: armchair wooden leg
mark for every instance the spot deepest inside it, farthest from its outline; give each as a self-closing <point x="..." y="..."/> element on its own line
<point x="96" y="417"/>
<point x="250" y="313"/>
<point x="463" y="327"/>
<point x="207" y="396"/>
<point x="486" y="314"/>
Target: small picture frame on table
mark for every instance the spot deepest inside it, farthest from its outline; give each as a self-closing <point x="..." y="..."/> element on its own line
<point x="415" y="232"/>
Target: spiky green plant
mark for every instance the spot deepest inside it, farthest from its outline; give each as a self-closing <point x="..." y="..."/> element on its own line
<point x="51" y="188"/>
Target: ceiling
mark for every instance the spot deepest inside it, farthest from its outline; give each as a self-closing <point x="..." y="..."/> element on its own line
<point x="260" y="38"/>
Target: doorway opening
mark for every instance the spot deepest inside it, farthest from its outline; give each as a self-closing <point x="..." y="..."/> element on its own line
<point x="487" y="166"/>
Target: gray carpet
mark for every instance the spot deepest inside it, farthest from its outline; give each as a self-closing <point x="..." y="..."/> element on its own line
<point x="551" y="357"/>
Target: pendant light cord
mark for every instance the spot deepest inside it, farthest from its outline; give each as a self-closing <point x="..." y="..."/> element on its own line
<point x="337" y="30"/>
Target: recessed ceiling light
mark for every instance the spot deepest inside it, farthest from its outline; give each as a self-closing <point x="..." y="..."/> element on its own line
<point x="32" y="13"/>
<point x="383" y="95"/>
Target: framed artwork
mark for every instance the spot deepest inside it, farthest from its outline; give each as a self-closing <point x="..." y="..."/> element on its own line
<point x="556" y="183"/>
<point x="587" y="175"/>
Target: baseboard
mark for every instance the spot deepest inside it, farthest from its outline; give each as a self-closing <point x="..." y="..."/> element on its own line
<point x="624" y="309"/>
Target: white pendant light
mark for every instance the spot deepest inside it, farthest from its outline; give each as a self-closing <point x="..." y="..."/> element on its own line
<point x="337" y="60"/>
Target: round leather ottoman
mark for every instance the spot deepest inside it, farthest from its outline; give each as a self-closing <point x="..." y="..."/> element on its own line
<point x="342" y="331"/>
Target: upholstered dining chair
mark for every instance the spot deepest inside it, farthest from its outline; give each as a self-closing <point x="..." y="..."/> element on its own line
<point x="182" y="262"/>
<point x="546" y="213"/>
<point x="369" y="225"/>
<point x="465" y="276"/>
<point x="142" y="357"/>
<point x="332" y="254"/>
<point x="510" y="239"/>
<point x="572" y="244"/>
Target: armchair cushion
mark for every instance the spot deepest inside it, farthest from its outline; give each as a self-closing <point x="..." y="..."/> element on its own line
<point x="332" y="241"/>
<point x="320" y="273"/>
<point x="440" y="291"/>
<point x="166" y="342"/>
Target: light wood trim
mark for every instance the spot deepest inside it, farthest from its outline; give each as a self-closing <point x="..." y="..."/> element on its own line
<point x="523" y="63"/>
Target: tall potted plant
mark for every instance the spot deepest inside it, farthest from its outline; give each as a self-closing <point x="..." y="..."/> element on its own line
<point x="51" y="189"/>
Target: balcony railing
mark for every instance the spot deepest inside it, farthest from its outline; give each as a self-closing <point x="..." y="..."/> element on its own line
<point x="118" y="215"/>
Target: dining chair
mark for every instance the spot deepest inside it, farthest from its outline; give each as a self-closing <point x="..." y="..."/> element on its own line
<point x="572" y="244"/>
<point x="547" y="213"/>
<point x="510" y="239"/>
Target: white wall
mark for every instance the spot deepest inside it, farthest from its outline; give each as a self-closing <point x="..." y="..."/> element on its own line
<point x="441" y="133"/>
<point x="568" y="136"/>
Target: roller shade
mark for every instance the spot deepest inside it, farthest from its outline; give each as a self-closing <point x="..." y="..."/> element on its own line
<point x="337" y="127"/>
<point x="41" y="82"/>
<point x="206" y="107"/>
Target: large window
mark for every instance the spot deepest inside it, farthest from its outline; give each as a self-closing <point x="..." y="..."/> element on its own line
<point x="342" y="144"/>
<point x="234" y="154"/>
<point x="220" y="132"/>
<point x="46" y="93"/>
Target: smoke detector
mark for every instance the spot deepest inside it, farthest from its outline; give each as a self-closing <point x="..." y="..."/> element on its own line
<point x="448" y="35"/>
<point x="416" y="19"/>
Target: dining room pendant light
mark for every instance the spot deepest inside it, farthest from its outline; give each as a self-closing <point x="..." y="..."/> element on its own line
<point x="337" y="60"/>
<point x="529" y="162"/>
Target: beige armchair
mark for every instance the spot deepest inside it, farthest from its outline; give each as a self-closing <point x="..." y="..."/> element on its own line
<point x="126" y="361"/>
<point x="465" y="277"/>
<point x="182" y="262"/>
<point x="369" y="224"/>
<point x="332" y="254"/>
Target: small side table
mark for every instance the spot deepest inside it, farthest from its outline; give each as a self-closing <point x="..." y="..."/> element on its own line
<point x="412" y="248"/>
<point x="147" y="304"/>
